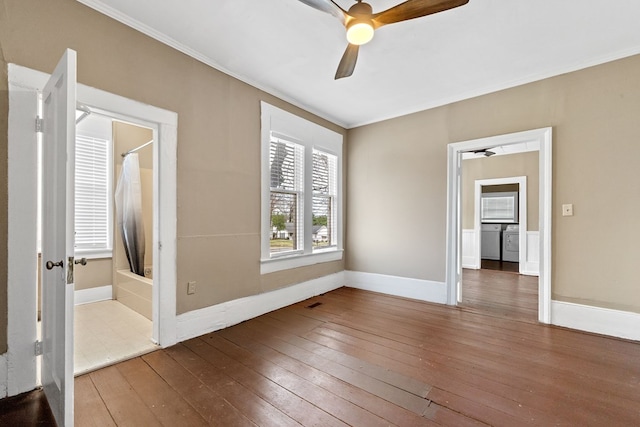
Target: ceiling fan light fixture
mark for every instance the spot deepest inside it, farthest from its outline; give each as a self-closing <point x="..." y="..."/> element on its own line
<point x="359" y="31"/>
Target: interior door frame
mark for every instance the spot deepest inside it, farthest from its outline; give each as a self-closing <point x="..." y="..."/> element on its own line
<point x="543" y="136"/>
<point x="19" y="365"/>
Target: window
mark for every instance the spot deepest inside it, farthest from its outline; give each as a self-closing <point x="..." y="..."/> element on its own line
<point x="286" y="204"/>
<point x="499" y="207"/>
<point x="301" y="192"/>
<point x="92" y="202"/>
<point x="325" y="190"/>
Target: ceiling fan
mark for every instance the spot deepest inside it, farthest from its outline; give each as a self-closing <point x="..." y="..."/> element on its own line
<point x="361" y="22"/>
<point x="485" y="152"/>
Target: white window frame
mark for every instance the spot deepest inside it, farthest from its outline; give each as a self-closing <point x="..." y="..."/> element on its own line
<point x="312" y="136"/>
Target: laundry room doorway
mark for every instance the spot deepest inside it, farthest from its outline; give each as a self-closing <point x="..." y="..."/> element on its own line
<point x="464" y="235"/>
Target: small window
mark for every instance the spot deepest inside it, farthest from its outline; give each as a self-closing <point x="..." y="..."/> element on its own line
<point x="301" y="192"/>
<point x="499" y="207"/>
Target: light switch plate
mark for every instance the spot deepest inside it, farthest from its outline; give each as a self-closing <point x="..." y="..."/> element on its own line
<point x="567" y="210"/>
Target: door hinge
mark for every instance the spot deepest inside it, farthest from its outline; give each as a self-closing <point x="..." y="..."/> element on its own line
<point x="38" y="348"/>
<point x="39" y="124"/>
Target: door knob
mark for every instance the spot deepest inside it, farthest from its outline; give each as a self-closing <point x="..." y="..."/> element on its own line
<point x="82" y="261"/>
<point x="51" y="264"/>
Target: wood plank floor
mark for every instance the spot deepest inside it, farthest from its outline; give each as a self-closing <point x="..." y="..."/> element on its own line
<point x="500" y="293"/>
<point x="365" y="359"/>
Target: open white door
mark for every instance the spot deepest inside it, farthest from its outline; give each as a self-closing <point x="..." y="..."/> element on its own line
<point x="58" y="154"/>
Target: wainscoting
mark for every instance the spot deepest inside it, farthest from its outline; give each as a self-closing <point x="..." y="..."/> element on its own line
<point x="470" y="259"/>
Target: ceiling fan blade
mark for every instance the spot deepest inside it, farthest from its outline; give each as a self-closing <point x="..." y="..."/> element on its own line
<point x="411" y="9"/>
<point x="327" y="6"/>
<point x="348" y="62"/>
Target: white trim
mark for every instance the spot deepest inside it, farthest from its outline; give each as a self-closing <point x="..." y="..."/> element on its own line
<point x="522" y="215"/>
<point x="24" y="85"/>
<point x="97" y="294"/>
<point x="616" y="323"/>
<point x="3" y="376"/>
<point x="287" y="262"/>
<point x="470" y="259"/>
<point x="220" y="316"/>
<point x="21" y="236"/>
<point x="532" y="257"/>
<point x="453" y="250"/>
<point x="545" y="206"/>
<point x="418" y="289"/>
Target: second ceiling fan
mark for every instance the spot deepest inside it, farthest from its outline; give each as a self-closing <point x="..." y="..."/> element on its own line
<point x="361" y="22"/>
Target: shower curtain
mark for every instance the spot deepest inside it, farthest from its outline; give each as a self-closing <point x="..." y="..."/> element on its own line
<point x="129" y="212"/>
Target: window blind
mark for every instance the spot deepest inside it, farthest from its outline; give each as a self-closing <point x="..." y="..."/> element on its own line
<point x="92" y="202"/>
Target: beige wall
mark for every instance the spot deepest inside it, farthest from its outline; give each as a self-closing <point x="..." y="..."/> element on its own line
<point x="218" y="157"/>
<point x="522" y="164"/>
<point x="397" y="181"/>
<point x="96" y="273"/>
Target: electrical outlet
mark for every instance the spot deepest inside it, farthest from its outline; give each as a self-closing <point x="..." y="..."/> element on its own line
<point x="191" y="288"/>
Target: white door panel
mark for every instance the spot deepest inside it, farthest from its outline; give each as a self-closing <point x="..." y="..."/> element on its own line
<point x="58" y="148"/>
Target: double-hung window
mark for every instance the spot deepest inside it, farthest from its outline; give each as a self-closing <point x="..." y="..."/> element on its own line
<point x="93" y="175"/>
<point x="286" y="200"/>
<point x="325" y="192"/>
<point x="301" y="192"/>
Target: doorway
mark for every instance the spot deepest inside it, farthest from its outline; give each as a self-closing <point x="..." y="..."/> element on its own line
<point x="25" y="86"/>
<point x="542" y="137"/>
<point x="113" y="306"/>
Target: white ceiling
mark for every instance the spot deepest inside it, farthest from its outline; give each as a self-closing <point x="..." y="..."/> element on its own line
<point x="292" y="50"/>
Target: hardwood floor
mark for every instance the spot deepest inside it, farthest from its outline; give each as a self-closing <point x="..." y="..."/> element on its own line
<point x="27" y="409"/>
<point x="366" y="359"/>
<point x="500" y="293"/>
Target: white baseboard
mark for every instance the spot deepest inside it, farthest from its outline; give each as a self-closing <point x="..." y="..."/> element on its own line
<point x="470" y="263"/>
<point x="616" y="323"/>
<point x="3" y="376"/>
<point x="531" y="269"/>
<point x="423" y="290"/>
<point x="86" y="296"/>
<point x="532" y="260"/>
<point x="209" y="319"/>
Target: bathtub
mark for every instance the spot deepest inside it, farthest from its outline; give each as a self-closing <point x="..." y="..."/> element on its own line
<point x="134" y="291"/>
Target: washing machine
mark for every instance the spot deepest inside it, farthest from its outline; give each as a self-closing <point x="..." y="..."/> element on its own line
<point x="490" y="241"/>
<point x="511" y="243"/>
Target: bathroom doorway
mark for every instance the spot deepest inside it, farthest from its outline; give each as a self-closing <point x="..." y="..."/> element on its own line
<point x="113" y="305"/>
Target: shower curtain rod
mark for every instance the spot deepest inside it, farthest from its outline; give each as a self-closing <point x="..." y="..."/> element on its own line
<point x="133" y="150"/>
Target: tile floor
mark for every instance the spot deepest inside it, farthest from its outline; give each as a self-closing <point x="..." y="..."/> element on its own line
<point x="107" y="332"/>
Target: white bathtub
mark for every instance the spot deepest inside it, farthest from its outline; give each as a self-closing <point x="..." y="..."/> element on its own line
<point x="134" y="291"/>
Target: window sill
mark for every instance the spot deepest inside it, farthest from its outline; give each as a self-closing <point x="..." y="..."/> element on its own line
<point x="93" y="253"/>
<point x="294" y="261"/>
